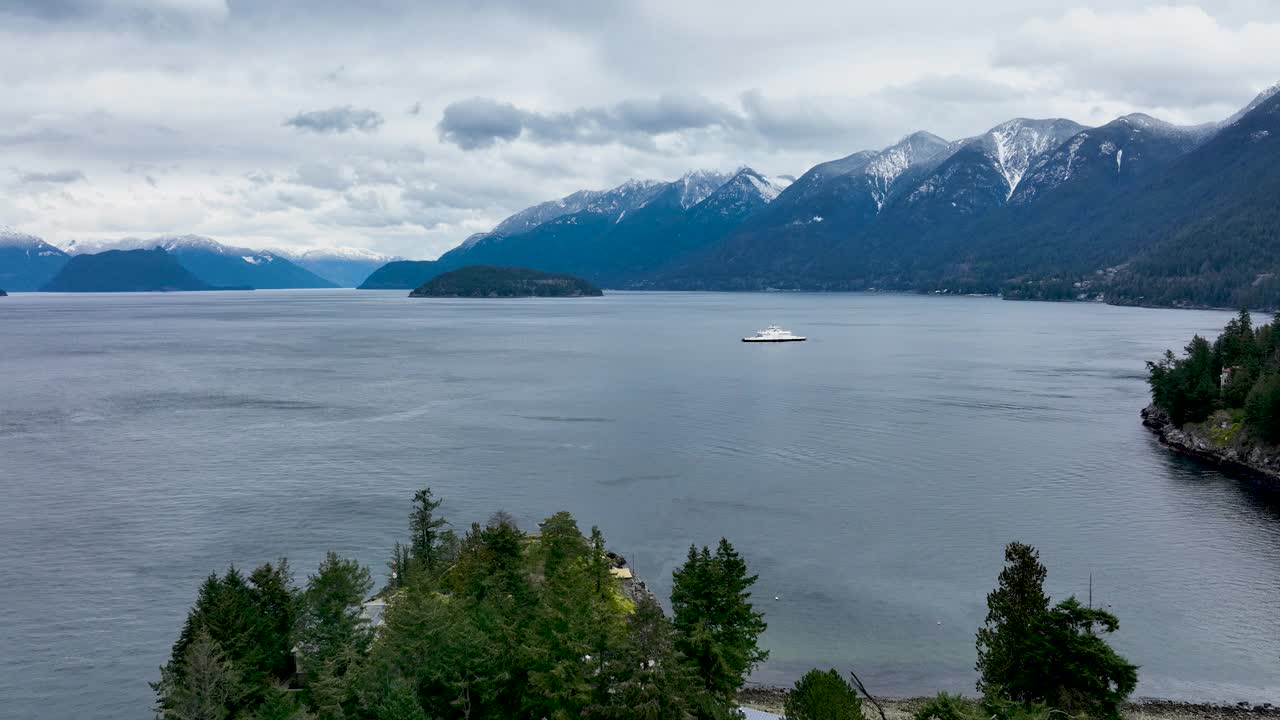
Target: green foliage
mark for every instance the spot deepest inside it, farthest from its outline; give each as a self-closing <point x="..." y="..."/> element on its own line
<point x="280" y="703"/>
<point x="250" y="622"/>
<point x="201" y="685"/>
<point x="509" y="625"/>
<point x="1262" y="408"/>
<point x="718" y="627"/>
<point x="1239" y="370"/>
<point x="425" y="533"/>
<point x="823" y="696"/>
<point x="1072" y="668"/>
<point x="329" y="621"/>
<point x="401" y="703"/>
<point x="1029" y="653"/>
<point x="1220" y="376"/>
<point x="645" y="677"/>
<point x="1013" y="609"/>
<point x="946" y="706"/>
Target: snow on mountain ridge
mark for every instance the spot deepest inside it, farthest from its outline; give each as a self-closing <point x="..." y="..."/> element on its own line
<point x="11" y="237"/>
<point x="889" y="164"/>
<point x="336" y="253"/>
<point x="1014" y="145"/>
<point x="697" y="185"/>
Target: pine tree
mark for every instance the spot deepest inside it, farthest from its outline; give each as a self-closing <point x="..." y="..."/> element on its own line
<point x="207" y="687"/>
<point x="329" y="622"/>
<point x="1072" y="668"/>
<point x="718" y="627"/>
<point x="280" y="703"/>
<point x="424" y="530"/>
<point x="823" y="696"/>
<point x="646" y="678"/>
<point x="399" y="564"/>
<point x="1014" y="609"/>
<point x="401" y="703"/>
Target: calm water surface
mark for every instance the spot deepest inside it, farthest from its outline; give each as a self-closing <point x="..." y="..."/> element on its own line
<point x="871" y="475"/>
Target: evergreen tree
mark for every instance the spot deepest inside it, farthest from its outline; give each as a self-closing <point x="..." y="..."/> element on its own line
<point x="274" y="599"/>
<point x="207" y="687"/>
<point x="280" y="703"/>
<point x="1030" y="655"/>
<point x="1072" y="668"/>
<point x="400" y="563"/>
<point x="823" y="696"/>
<point x="401" y="703"/>
<point x="717" y="625"/>
<point x="330" y="620"/>
<point x="1014" y="610"/>
<point x="1262" y="408"/>
<point x="646" y="678"/>
<point x="425" y="533"/>
<point x="561" y="544"/>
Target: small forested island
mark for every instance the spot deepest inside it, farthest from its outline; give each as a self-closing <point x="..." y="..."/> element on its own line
<point x="1220" y="401"/>
<point x="501" y="623"/>
<point x="125" y="271"/>
<point x="489" y="281"/>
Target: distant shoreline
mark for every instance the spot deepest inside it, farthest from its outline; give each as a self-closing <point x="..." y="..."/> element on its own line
<point x="771" y="698"/>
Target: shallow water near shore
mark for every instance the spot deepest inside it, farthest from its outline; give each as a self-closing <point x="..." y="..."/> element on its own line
<point x="871" y="475"/>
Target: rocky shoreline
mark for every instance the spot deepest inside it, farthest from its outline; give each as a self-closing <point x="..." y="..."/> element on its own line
<point x="1229" y="452"/>
<point x="771" y="699"/>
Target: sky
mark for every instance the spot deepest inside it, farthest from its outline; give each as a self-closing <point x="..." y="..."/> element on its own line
<point x="403" y="126"/>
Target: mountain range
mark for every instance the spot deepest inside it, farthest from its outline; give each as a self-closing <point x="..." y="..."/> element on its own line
<point x="28" y="263"/>
<point x="139" y="270"/>
<point x="1136" y="211"/>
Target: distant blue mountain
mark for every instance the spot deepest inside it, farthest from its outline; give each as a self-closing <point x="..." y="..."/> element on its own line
<point x="125" y="271"/>
<point x="27" y="262"/>
<point x="218" y="264"/>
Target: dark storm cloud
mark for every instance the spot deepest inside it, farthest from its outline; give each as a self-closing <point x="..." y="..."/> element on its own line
<point x="337" y="120"/>
<point x="481" y="122"/>
<point x="58" y="177"/>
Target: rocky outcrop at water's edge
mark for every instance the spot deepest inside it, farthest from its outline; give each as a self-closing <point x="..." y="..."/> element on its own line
<point x="1217" y="441"/>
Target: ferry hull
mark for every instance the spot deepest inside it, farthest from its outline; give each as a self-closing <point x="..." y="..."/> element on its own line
<point x="774" y="340"/>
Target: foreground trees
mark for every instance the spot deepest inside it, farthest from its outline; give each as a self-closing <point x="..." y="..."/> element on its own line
<point x="497" y="624"/>
<point x="823" y="696"/>
<point x="718" y="627"/>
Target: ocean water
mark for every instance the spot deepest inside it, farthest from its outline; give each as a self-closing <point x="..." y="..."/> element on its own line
<point x="871" y="476"/>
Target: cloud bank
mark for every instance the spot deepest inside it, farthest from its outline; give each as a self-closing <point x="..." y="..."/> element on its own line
<point x="404" y="127"/>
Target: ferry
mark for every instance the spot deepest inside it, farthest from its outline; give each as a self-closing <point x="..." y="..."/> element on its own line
<point x="774" y="334"/>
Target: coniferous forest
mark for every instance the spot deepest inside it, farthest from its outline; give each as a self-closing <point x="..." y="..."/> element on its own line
<point x="503" y="623"/>
<point x="1237" y="375"/>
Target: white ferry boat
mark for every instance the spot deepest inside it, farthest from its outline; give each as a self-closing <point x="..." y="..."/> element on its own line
<point x="773" y="334"/>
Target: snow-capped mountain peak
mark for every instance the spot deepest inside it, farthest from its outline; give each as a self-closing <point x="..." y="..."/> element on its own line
<point x="10" y="237"/>
<point x="697" y="185"/>
<point x="886" y="166"/>
<point x="1261" y="98"/>
<point x="1015" y="145"/>
<point x="335" y="253"/>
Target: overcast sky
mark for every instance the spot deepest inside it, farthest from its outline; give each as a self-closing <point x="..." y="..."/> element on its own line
<point x="406" y="125"/>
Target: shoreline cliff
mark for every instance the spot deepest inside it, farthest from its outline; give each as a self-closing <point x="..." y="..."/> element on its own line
<point x="1215" y="441"/>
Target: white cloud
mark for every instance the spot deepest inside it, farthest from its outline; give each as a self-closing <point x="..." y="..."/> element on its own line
<point x="167" y="116"/>
<point x="1172" y="56"/>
